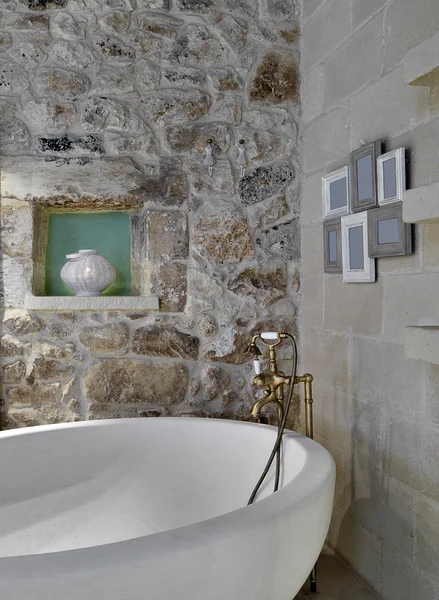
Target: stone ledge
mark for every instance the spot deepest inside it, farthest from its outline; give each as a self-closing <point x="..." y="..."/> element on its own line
<point x="422" y="343"/>
<point x="421" y="63"/>
<point x="421" y="204"/>
<point x="68" y="303"/>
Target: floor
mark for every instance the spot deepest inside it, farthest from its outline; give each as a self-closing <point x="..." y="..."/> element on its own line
<point x="335" y="582"/>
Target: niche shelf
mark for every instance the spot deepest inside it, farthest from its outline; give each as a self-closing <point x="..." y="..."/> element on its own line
<point x="422" y="343"/>
<point x="421" y="63"/>
<point x="68" y="303"/>
<point x="421" y="204"/>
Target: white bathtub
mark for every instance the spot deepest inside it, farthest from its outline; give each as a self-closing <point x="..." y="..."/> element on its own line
<point x="155" y="509"/>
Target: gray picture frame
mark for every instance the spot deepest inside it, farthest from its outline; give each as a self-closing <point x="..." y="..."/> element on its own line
<point x="364" y="189"/>
<point x="399" y="235"/>
<point x="332" y="266"/>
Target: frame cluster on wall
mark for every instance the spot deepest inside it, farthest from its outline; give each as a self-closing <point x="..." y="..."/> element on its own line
<point x="362" y="210"/>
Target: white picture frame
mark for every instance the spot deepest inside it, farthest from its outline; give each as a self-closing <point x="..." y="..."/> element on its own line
<point x="328" y="181"/>
<point x="357" y="266"/>
<point x="391" y="176"/>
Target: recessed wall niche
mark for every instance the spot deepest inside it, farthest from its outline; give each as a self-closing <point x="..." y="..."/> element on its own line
<point x="57" y="233"/>
<point x="107" y="232"/>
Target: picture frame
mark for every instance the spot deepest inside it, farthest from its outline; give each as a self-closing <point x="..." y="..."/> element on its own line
<point x="388" y="234"/>
<point x="336" y="193"/>
<point x="332" y="246"/>
<point x="357" y="266"/>
<point x="364" y="177"/>
<point x="391" y="176"/>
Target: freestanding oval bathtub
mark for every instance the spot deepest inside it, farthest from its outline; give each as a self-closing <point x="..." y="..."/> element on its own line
<point x="155" y="509"/>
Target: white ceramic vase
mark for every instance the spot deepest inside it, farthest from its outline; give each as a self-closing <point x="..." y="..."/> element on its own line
<point x="87" y="273"/>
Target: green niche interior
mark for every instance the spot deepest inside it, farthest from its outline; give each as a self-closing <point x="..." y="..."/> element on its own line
<point x="107" y="232"/>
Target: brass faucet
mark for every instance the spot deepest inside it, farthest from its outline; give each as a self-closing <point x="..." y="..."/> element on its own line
<point x="272" y="382"/>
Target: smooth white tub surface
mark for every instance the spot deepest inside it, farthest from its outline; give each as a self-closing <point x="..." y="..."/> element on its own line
<point x="155" y="509"/>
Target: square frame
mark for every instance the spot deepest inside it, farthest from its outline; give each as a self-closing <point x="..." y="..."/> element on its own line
<point x="373" y="150"/>
<point x="399" y="156"/>
<point x="404" y="246"/>
<point x="326" y="192"/>
<point x="331" y="266"/>
<point x="367" y="273"/>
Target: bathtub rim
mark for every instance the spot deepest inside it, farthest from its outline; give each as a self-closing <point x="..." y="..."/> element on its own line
<point x="270" y="508"/>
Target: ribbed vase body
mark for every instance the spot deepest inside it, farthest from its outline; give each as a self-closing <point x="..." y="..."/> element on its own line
<point x="87" y="273"/>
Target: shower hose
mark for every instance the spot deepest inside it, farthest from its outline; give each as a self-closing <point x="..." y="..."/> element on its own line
<point x="283" y="415"/>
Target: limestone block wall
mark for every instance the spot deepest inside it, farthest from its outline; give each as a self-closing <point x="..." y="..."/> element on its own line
<point x="376" y="410"/>
<point x="108" y="104"/>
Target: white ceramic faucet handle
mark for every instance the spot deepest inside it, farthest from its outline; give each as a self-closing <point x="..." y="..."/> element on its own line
<point x="270" y="335"/>
<point x="257" y="365"/>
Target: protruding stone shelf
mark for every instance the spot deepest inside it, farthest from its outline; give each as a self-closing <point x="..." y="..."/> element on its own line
<point x="421" y="204"/>
<point x="68" y="303"/>
<point x="421" y="63"/>
<point x="422" y="343"/>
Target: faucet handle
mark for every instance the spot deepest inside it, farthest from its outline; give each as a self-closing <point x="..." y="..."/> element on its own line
<point x="257" y="365"/>
<point x="270" y="335"/>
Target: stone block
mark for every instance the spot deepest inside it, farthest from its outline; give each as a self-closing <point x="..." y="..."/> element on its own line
<point x="432" y="393"/>
<point x="167" y="235"/>
<point x="311" y="289"/>
<point x="104" y="113"/>
<point x="408" y="24"/>
<point x="343" y="74"/>
<point x="216" y="186"/>
<point x="69" y="144"/>
<point x="117" y="51"/>
<point x="230" y="348"/>
<point x="353" y="307"/>
<point x="421" y="63"/>
<point x="14" y="136"/>
<point x="165" y="341"/>
<point x="327" y="139"/>
<point x="263" y="286"/>
<point x="192" y="140"/>
<point x="13" y="78"/>
<point x="52" y="369"/>
<point x="128" y="381"/>
<point x="427" y="535"/>
<point x="169" y="282"/>
<point x="403" y="579"/>
<point x="16" y="223"/>
<point x="225" y="79"/>
<point x="16" y="21"/>
<point x="63" y="25"/>
<point x="318" y="346"/>
<point x="361" y="549"/>
<point x="49" y="116"/>
<point x="276" y="79"/>
<point x="408" y="301"/>
<point x="308" y="8"/>
<point x="373" y="109"/>
<point x="195" y="46"/>
<point x="280" y="9"/>
<point x="35" y="395"/>
<point x="20" y="322"/>
<point x="431" y="245"/>
<point x="312" y="93"/>
<point x="422" y="343"/>
<point x="312" y="203"/>
<point x="105" y="338"/>
<point x="73" y="55"/>
<point x="62" y="84"/>
<point x="420" y="204"/>
<point x="265" y="182"/>
<point x="14" y="372"/>
<point x="281" y="241"/>
<point x="85" y="181"/>
<point x="43" y="4"/>
<point x="229" y="108"/>
<point x="183" y="76"/>
<point x="312" y="249"/>
<point x="173" y="107"/>
<point x="223" y="236"/>
<point x="330" y="25"/>
<point x="233" y="31"/>
<point x="380" y="370"/>
<point x="363" y="10"/>
<point x="420" y="469"/>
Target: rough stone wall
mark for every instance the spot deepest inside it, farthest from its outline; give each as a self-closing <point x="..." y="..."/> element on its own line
<point x="376" y="410"/>
<point x="109" y="104"/>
